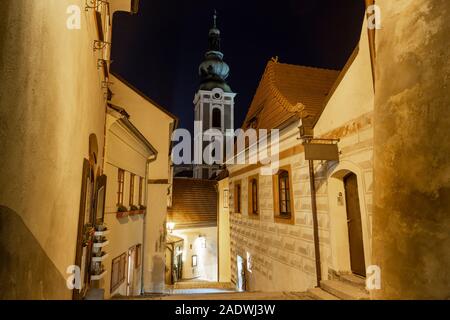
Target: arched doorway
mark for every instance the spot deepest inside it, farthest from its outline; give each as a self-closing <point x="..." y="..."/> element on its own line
<point x="349" y="220"/>
<point x="354" y="225"/>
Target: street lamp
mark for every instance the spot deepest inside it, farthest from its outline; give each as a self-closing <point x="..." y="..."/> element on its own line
<point x="170" y="226"/>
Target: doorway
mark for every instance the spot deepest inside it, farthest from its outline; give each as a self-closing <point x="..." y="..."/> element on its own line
<point x="130" y="271"/>
<point x="355" y="234"/>
<point x="241" y="283"/>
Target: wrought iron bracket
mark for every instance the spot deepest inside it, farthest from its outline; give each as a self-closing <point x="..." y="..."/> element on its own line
<point x="94" y="4"/>
<point x="106" y="84"/>
<point x="100" y="45"/>
<point x="102" y="63"/>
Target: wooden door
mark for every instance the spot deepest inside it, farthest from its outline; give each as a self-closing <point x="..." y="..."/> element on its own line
<point x="355" y="235"/>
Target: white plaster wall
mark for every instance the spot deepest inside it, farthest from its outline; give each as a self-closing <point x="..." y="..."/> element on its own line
<point x="155" y="235"/>
<point x="224" y="233"/>
<point x="155" y="125"/>
<point x="125" y="152"/>
<point x="355" y="94"/>
<point x="206" y="257"/>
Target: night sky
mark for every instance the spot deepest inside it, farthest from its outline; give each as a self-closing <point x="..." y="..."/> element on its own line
<point x="159" y="49"/>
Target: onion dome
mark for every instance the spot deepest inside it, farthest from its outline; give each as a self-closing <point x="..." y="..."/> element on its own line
<point x="213" y="70"/>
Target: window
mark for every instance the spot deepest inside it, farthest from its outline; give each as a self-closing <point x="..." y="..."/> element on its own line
<point x="283" y="201"/>
<point x="141" y="191"/>
<point x="121" y="181"/>
<point x="138" y="256"/>
<point x="253" y="201"/>
<point x="194" y="261"/>
<point x="225" y="198"/>
<point x="118" y="271"/>
<point x="237" y="197"/>
<point x="216" y="118"/>
<point x="132" y="176"/>
<point x="283" y="191"/>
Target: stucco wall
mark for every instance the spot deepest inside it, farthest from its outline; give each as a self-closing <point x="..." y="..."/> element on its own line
<point x="412" y="149"/>
<point x="224" y="232"/>
<point x="282" y="254"/>
<point x="206" y="257"/>
<point x="50" y="102"/>
<point x="155" y="238"/>
<point x="124" y="152"/>
<point x="155" y="125"/>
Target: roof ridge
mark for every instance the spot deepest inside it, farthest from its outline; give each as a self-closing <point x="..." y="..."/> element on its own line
<point x="305" y="66"/>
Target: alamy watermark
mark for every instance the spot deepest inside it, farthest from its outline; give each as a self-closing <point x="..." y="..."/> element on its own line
<point x="229" y="147"/>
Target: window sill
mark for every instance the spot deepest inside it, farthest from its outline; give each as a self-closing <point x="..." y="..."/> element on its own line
<point x="254" y="216"/>
<point x="286" y="220"/>
<point x="129" y="213"/>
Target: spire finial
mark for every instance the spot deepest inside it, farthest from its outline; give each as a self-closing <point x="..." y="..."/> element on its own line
<point x="215" y="18"/>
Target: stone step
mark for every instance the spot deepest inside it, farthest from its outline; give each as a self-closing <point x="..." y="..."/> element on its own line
<point x="344" y="290"/>
<point x="319" y="294"/>
<point x="354" y="280"/>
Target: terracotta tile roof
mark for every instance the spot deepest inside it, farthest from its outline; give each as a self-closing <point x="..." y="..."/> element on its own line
<point x="194" y="203"/>
<point x="288" y="90"/>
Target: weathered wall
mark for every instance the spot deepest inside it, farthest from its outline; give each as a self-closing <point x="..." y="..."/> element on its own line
<point x="224" y="232"/>
<point x="50" y="102"/>
<point x="206" y="257"/>
<point x="412" y="150"/>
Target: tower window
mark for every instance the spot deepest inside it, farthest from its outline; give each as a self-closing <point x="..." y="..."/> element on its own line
<point x="216" y="118"/>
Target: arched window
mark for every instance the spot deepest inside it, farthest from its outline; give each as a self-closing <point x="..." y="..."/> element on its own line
<point x="216" y="118"/>
<point x="284" y="193"/>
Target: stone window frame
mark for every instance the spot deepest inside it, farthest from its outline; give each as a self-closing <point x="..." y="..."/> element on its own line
<point x="276" y="197"/>
<point x="251" y="212"/>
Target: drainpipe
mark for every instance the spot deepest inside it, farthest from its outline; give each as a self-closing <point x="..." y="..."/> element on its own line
<point x="315" y="222"/>
<point x="149" y="160"/>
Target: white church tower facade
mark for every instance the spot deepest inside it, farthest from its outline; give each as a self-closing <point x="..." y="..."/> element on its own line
<point x="214" y="101"/>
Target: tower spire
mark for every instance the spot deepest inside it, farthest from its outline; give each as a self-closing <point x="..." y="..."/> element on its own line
<point x="215" y="19"/>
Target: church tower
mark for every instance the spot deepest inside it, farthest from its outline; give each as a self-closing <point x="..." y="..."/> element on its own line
<point x="214" y="101"/>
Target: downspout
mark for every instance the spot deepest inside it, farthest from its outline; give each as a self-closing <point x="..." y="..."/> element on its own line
<point x="149" y="160"/>
<point x="315" y="222"/>
<point x="307" y="134"/>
